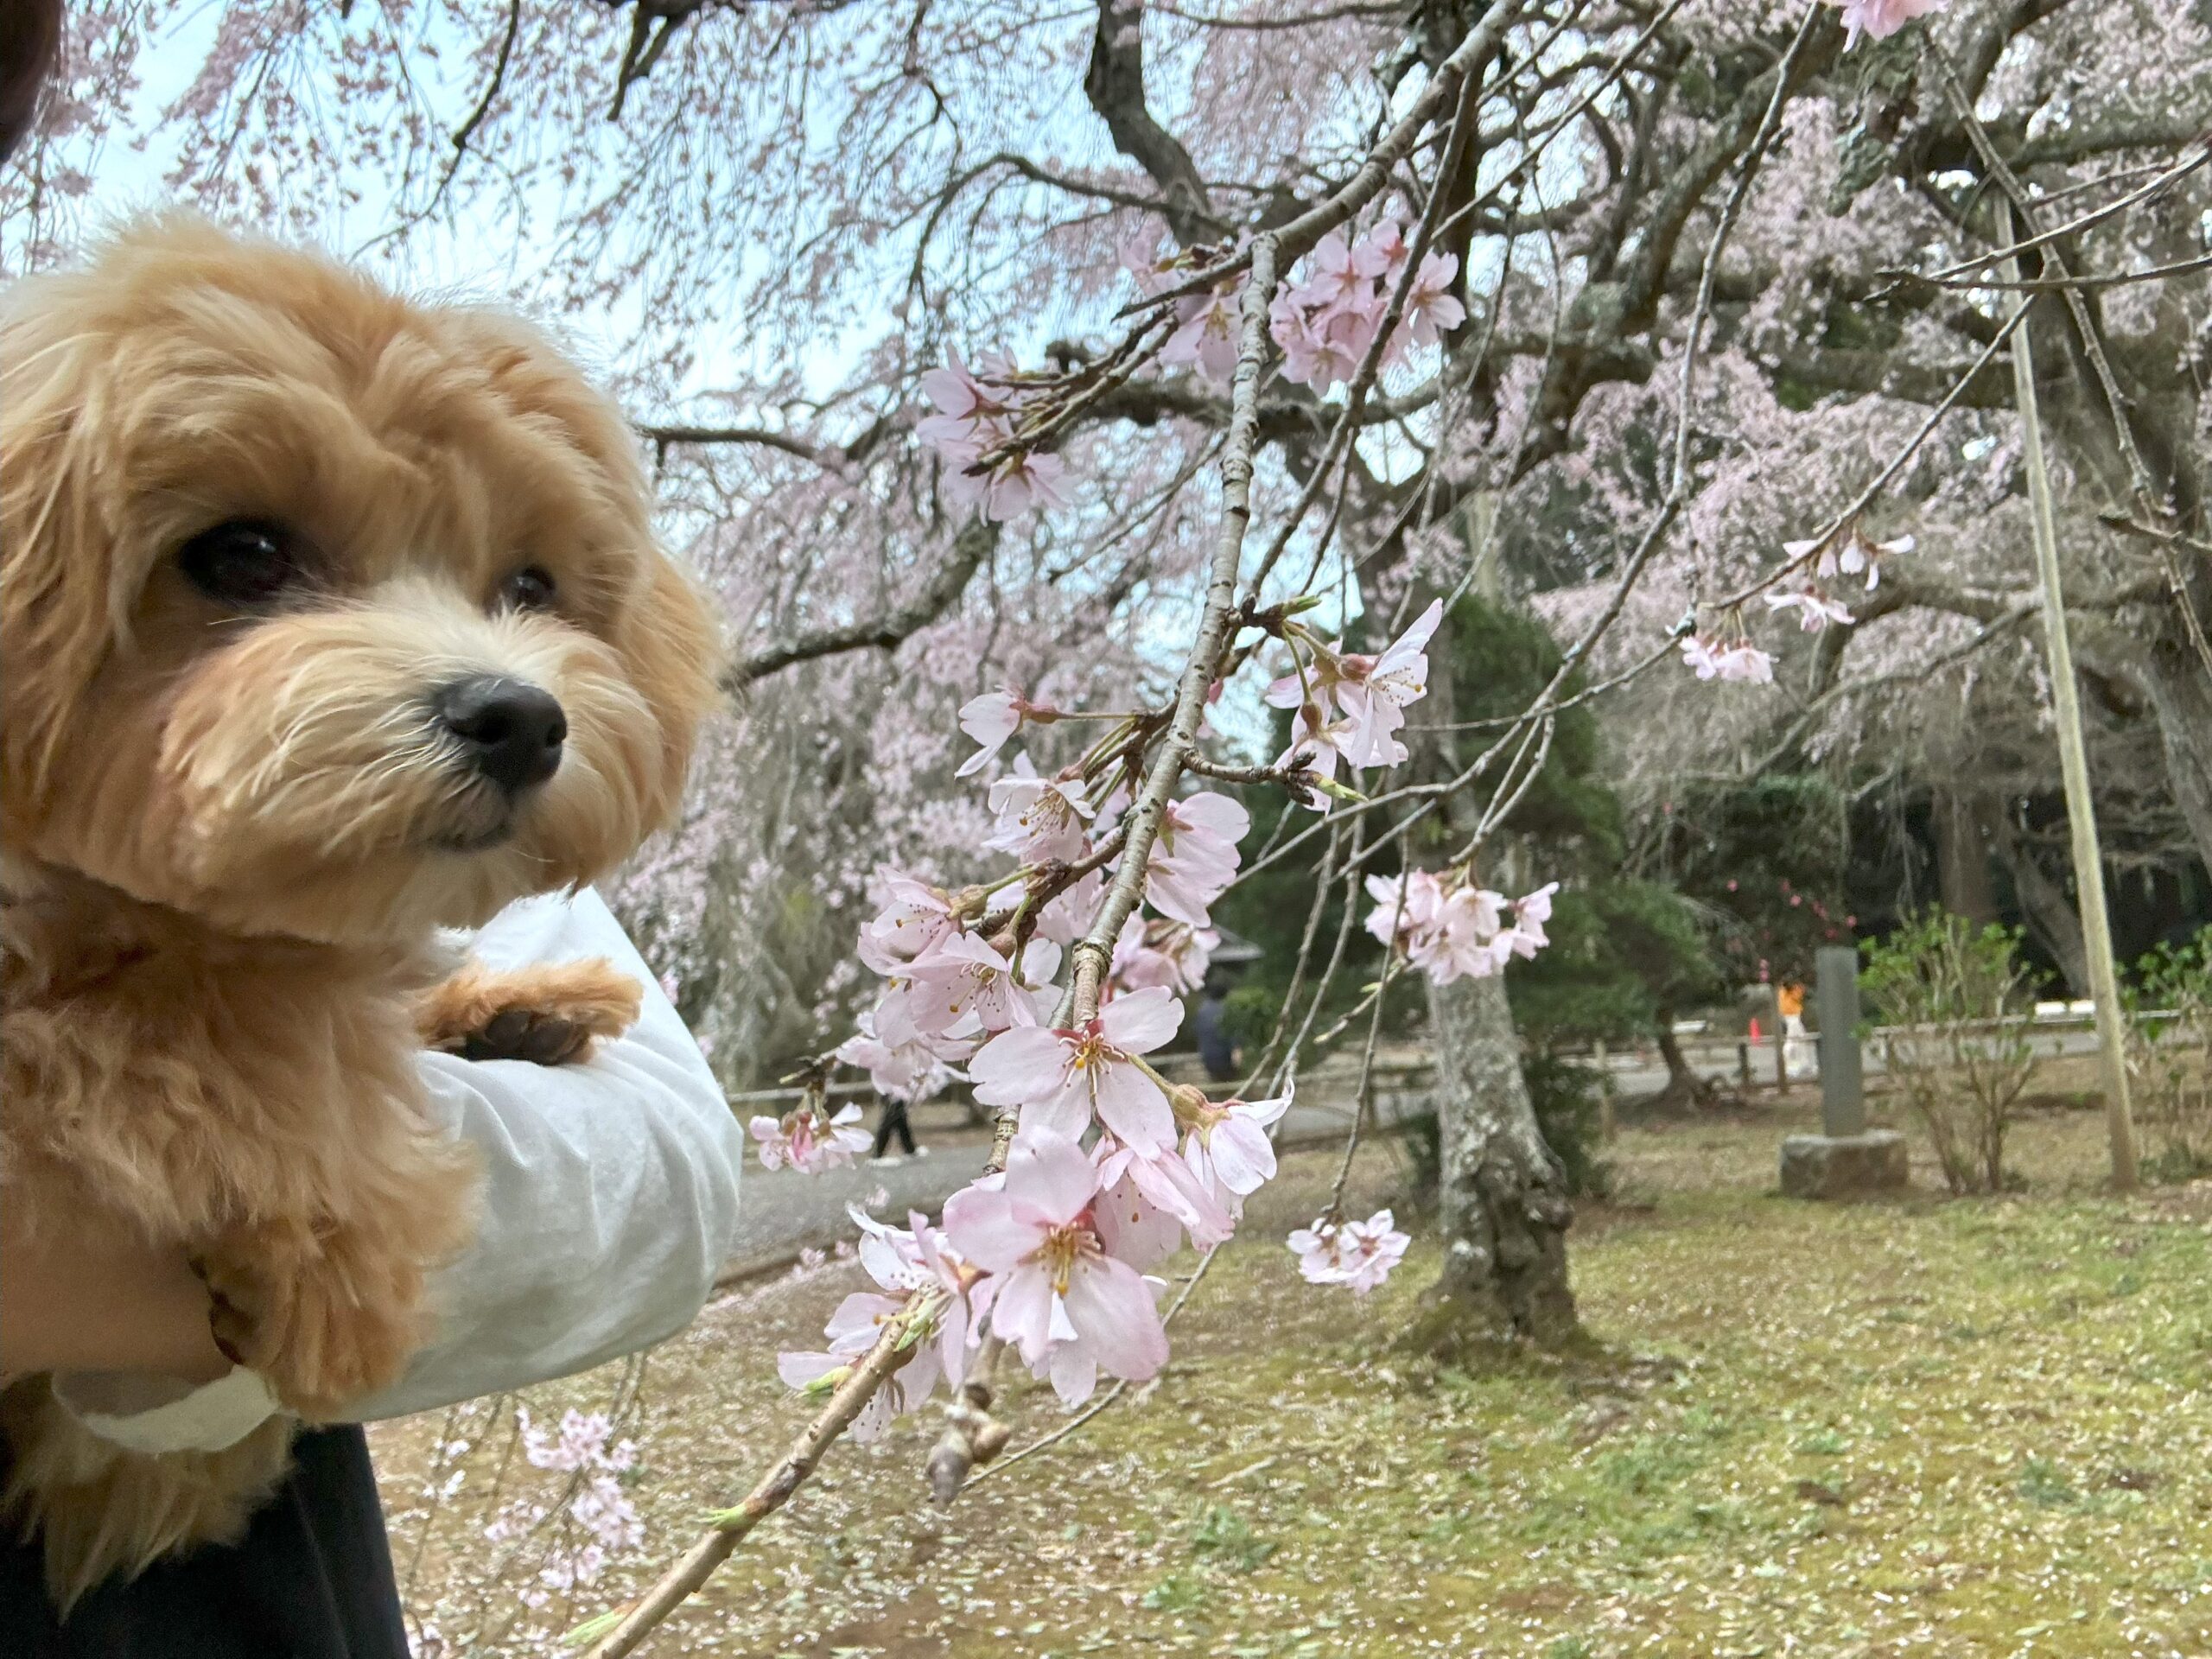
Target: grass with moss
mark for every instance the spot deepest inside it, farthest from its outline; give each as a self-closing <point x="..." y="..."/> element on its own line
<point x="1930" y="1428"/>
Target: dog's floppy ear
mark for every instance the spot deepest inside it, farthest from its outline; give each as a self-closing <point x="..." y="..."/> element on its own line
<point x="668" y="636"/>
<point x="56" y="621"/>
<point x="676" y="656"/>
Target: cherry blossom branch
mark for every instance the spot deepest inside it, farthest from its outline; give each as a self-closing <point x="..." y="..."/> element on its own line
<point x="1371" y="365"/>
<point x="1504" y="800"/>
<point x="2058" y="284"/>
<point x="1981" y="262"/>
<point x="1094" y="952"/>
<point x="2148" y="499"/>
<point x="467" y="128"/>
<point x="1324" y="879"/>
<point x="829" y="457"/>
<point x="1549" y="698"/>
<point x="1291" y="240"/>
<point x="1102" y="376"/>
<point x="1298" y="780"/>
<point x="1897" y="463"/>
<point x="774" y="1489"/>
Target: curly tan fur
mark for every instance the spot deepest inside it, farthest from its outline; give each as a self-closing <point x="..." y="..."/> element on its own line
<point x="550" y="1013"/>
<point x="227" y="833"/>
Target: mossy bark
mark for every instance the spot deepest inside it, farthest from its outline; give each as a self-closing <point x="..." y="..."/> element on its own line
<point x="1503" y="1204"/>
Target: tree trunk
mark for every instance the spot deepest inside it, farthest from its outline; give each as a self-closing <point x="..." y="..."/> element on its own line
<point x="2049" y="909"/>
<point x="2180" y="689"/>
<point x="1504" y="1207"/>
<point x="1685" y="1089"/>
<point x="1962" y="859"/>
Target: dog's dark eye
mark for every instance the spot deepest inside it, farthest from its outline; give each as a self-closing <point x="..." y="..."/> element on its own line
<point x="244" y="561"/>
<point x="530" y="589"/>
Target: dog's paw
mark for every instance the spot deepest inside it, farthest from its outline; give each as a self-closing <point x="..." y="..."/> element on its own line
<point x="318" y="1315"/>
<point x="548" y="1013"/>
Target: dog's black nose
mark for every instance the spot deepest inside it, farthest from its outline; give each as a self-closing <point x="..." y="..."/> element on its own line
<point x="512" y="730"/>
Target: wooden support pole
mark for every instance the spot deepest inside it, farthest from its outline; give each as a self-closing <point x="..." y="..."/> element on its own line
<point x="2073" y="765"/>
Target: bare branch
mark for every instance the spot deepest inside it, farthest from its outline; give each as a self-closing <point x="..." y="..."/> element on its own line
<point x="1115" y="85"/>
<point x="970" y="548"/>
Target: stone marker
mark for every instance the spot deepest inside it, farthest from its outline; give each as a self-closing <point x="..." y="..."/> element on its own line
<point x="1835" y="998"/>
<point x="1847" y="1160"/>
<point x="1843" y="1165"/>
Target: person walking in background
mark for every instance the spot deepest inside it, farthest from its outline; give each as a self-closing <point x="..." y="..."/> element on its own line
<point x="1216" y="1047"/>
<point x="1796" y="1046"/>
<point x="893" y="1121"/>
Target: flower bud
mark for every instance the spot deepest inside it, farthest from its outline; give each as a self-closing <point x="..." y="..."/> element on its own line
<point x="1190" y="1104"/>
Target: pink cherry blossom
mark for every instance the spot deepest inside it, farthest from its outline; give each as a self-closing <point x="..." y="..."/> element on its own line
<point x="1533" y="910"/>
<point x="1228" y="1148"/>
<point x="807" y="1140"/>
<point x="1169" y="953"/>
<point x="1138" y="254"/>
<point x="1432" y="311"/>
<point x="1879" y="19"/>
<point x="1057" y="1285"/>
<point x="1746" y="662"/>
<point x="852" y="1331"/>
<point x="1310" y="356"/>
<point x="914" y="918"/>
<point x="1814" y="609"/>
<point x="1722" y="660"/>
<point x="1403" y="905"/>
<point x="1337" y="272"/>
<point x="1849" y="552"/>
<point x="1131" y="1226"/>
<point x="912" y="1068"/>
<point x="1040" y="819"/>
<point x="1383" y="251"/>
<point x="1458" y="930"/>
<point x="993" y="717"/>
<point x="1152" y="1192"/>
<point x="965" y="985"/>
<point x="1375" y="692"/>
<point x="582" y="1443"/>
<point x="1067" y="916"/>
<point x="919" y="1256"/>
<point x="1207" y="337"/>
<point x="1194" y="857"/>
<point x="961" y="399"/>
<point x="1024" y="479"/>
<point x="1061" y="1079"/>
<point x="1702" y="654"/>
<point x="1467" y="939"/>
<point x="975" y="419"/>
<point x="1357" y="1254"/>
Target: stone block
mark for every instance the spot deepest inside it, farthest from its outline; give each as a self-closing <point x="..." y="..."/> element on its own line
<point x="1844" y="1165"/>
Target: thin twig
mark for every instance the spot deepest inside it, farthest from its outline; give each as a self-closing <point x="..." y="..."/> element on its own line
<point x="773" y="1490"/>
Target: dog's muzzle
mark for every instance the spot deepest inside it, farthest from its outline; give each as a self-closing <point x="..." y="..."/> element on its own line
<point x="511" y="732"/>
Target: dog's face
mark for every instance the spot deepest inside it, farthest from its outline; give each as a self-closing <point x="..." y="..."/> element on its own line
<point x="323" y="613"/>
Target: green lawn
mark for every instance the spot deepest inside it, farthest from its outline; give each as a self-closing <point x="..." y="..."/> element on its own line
<point x="1934" y="1427"/>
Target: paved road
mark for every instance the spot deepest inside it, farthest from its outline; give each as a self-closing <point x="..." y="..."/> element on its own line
<point x="785" y="1211"/>
<point x="781" y="1210"/>
<point x="1646" y="1074"/>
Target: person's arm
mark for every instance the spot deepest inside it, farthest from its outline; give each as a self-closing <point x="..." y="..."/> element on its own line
<point x="86" y="1294"/>
<point x="611" y="1188"/>
<point x="609" y="1202"/>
